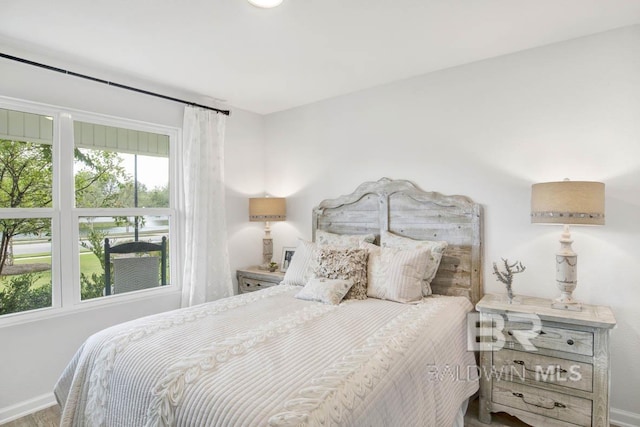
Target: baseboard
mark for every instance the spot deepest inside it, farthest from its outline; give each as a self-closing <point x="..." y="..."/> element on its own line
<point x="618" y="417"/>
<point x="27" y="407"/>
<point x="621" y="418"/>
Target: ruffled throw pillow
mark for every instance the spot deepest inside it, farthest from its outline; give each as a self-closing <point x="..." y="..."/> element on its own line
<point x="347" y="264"/>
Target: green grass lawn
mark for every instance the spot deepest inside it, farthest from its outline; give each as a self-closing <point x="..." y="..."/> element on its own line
<point x="89" y="263"/>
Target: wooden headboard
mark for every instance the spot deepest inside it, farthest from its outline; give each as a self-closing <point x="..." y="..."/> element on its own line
<point x="402" y="208"/>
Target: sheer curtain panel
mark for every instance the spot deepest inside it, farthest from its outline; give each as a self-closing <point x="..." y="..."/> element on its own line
<point x="206" y="273"/>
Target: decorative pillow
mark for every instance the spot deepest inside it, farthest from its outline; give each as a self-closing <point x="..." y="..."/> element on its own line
<point x="390" y="240"/>
<point x="347" y="264"/>
<point x="324" y="238"/>
<point x="302" y="264"/>
<point x="328" y="291"/>
<point x="396" y="274"/>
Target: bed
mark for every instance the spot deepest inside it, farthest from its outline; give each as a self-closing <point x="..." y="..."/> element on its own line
<point x="271" y="358"/>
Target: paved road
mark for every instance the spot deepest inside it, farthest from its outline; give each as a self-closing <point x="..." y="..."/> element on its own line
<point x="31" y="248"/>
<point x="39" y="247"/>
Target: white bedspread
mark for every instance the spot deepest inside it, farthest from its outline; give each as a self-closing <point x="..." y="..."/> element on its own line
<point x="267" y="358"/>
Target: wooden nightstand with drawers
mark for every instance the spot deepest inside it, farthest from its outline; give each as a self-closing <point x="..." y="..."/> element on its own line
<point x="545" y="366"/>
<point x="253" y="279"/>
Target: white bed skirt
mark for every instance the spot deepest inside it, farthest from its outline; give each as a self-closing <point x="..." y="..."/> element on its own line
<point x="459" y="421"/>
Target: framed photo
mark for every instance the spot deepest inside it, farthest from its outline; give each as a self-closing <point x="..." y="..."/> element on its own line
<point x="287" y="255"/>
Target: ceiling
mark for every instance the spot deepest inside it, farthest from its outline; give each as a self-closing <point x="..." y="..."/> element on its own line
<point x="268" y="60"/>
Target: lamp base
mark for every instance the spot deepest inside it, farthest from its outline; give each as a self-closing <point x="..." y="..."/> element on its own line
<point x="267" y="250"/>
<point x="566" y="274"/>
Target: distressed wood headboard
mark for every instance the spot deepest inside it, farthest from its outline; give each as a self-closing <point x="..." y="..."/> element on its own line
<point x="402" y="208"/>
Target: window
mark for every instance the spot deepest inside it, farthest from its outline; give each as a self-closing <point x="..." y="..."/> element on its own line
<point x="127" y="172"/>
<point x="26" y="198"/>
<point x="93" y="179"/>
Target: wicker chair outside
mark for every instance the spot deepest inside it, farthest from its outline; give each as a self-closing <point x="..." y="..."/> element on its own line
<point x="135" y="272"/>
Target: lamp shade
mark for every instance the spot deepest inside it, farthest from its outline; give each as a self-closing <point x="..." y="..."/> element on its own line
<point x="267" y="209"/>
<point x="568" y="202"/>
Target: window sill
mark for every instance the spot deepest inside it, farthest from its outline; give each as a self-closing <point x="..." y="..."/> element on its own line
<point x="24" y="317"/>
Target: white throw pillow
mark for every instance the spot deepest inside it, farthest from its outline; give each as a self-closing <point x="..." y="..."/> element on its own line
<point x="396" y="274"/>
<point x="302" y="264"/>
<point x="436" y="249"/>
<point x="328" y="291"/>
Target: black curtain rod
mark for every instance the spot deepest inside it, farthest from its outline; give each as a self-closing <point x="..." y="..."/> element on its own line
<point x="95" y="79"/>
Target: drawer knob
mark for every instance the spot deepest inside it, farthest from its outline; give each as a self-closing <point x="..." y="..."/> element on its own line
<point x="524" y="366"/>
<point x="554" y="372"/>
<point x="540" y="402"/>
<point x="510" y="333"/>
<point x="570" y="342"/>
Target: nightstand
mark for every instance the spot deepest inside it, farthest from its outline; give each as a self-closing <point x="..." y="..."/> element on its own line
<point x="545" y="366"/>
<point x="253" y="279"/>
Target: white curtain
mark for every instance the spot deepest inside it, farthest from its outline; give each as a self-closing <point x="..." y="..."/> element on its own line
<point x="203" y="244"/>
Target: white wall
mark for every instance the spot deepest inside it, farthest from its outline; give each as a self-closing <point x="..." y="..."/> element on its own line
<point x="33" y="355"/>
<point x="489" y="130"/>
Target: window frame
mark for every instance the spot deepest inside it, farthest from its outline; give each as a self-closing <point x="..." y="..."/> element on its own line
<point x="65" y="258"/>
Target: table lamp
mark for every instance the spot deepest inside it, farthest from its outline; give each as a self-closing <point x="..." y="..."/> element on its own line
<point x="267" y="209"/>
<point x="567" y="203"/>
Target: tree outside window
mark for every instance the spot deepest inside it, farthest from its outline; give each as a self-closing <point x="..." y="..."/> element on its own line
<point x="103" y="179"/>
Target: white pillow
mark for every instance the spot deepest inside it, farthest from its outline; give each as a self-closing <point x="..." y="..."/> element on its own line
<point x="328" y="291"/>
<point x="436" y="248"/>
<point x="302" y="264"/>
<point x="396" y="274"/>
<point x="324" y="238"/>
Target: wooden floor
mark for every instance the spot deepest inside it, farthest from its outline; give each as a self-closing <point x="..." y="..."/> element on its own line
<point x="497" y="420"/>
<point x="50" y="418"/>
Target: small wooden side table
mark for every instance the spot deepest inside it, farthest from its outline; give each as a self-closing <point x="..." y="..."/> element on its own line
<point x="543" y="365"/>
<point x="253" y="279"/>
